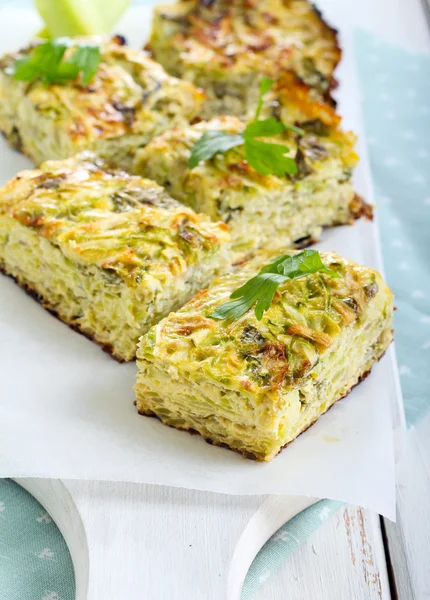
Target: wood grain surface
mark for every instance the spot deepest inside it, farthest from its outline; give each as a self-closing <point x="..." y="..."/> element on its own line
<point x="344" y="560"/>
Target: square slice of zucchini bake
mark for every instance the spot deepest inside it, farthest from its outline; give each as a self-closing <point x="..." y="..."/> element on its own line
<point x="110" y="254"/>
<point x="255" y="385"/>
<point x="226" y="46"/>
<point x="129" y="100"/>
<point x="265" y="210"/>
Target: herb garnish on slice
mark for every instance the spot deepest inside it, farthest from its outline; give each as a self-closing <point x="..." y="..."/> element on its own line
<point x="46" y="62"/>
<point x="260" y="290"/>
<point x="264" y="157"/>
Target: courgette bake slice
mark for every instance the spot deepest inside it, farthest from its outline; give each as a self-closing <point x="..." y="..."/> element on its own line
<point x="225" y="46"/>
<point x="252" y="385"/>
<point x="129" y="100"/>
<point x="265" y="210"/>
<point x="110" y="254"/>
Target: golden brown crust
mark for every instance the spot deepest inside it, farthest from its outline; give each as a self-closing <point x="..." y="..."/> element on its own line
<point x="320" y="338"/>
<point x="245" y="453"/>
<point x="291" y="90"/>
<point x="267" y="36"/>
<point x="332" y="33"/>
<point x="28" y="289"/>
<point x="359" y="208"/>
<point x="102" y="216"/>
<point x="129" y="100"/>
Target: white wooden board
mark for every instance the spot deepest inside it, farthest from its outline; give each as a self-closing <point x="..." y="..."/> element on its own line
<point x="343" y="560"/>
<point x="409" y="538"/>
<point x="134" y="541"/>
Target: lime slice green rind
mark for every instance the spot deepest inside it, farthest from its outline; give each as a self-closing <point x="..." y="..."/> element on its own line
<point x="79" y="17"/>
<point x="44" y="33"/>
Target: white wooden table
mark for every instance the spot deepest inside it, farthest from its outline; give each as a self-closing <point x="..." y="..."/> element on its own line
<point x="355" y="555"/>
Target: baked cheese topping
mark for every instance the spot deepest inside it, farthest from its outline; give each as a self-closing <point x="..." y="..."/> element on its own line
<point x="302" y="323"/>
<point x="239" y="36"/>
<point x="128" y="101"/>
<point x="262" y="210"/>
<point x="110" y="254"/>
<point x="253" y="385"/>
<point x="126" y="225"/>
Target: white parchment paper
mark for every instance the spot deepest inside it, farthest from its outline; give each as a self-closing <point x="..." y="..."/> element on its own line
<point x="66" y="408"/>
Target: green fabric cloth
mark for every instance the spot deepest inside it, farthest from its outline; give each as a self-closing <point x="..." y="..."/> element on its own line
<point x="34" y="561"/>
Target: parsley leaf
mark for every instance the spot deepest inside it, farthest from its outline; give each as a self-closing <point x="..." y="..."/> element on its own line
<point x="211" y="143"/>
<point x="269" y="159"/>
<point x="40" y="63"/>
<point x="266" y="85"/>
<point x="86" y="60"/>
<point x="260" y="290"/>
<point x="45" y="62"/>
<point x="300" y="265"/>
<point x="264" y="157"/>
<point x="267" y="127"/>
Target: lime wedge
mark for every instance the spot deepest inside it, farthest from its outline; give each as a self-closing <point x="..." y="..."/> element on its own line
<point x="80" y="17"/>
<point x="44" y="33"/>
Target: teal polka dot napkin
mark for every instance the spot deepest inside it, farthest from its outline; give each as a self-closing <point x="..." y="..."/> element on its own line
<point x="396" y="87"/>
<point x="34" y="560"/>
<point x="35" y="563"/>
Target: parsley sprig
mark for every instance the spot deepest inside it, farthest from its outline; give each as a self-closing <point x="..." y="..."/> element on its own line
<point x="46" y="62"/>
<point x="260" y="290"/>
<point x="264" y="157"/>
